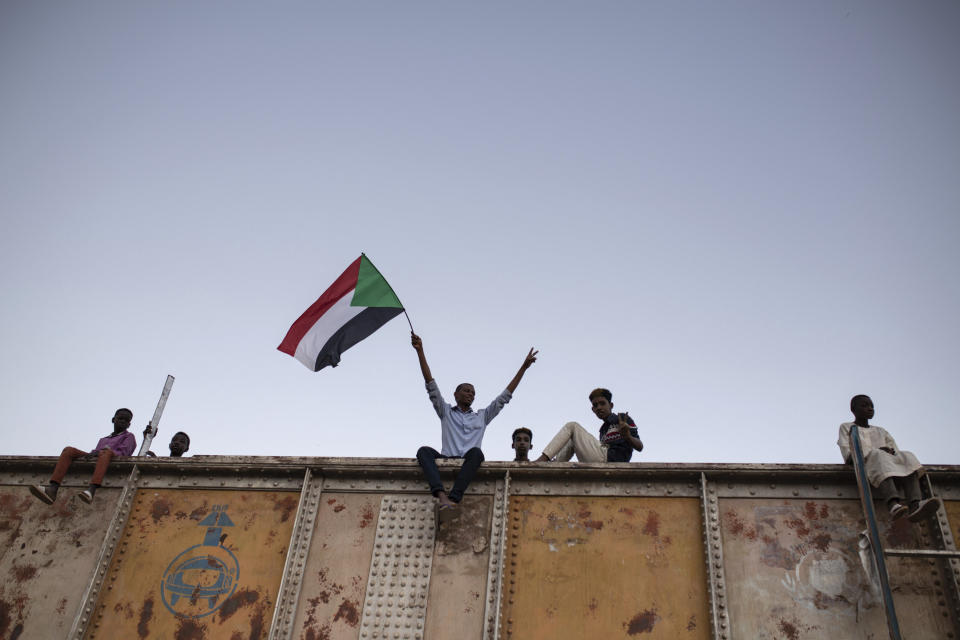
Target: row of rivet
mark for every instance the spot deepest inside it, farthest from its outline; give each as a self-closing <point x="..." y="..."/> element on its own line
<point x="714" y="558"/>
<point x="515" y="523"/>
<point x="399" y="577"/>
<point x="117" y="525"/>
<point x="950" y="568"/>
<point x="501" y="505"/>
<point x="300" y="538"/>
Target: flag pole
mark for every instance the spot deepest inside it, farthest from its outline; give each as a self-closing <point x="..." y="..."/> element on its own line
<point x="406" y="315"/>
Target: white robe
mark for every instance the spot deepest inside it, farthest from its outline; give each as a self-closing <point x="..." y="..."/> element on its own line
<point x="880" y="465"/>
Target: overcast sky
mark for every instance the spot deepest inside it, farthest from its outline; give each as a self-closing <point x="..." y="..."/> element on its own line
<point x="734" y="215"/>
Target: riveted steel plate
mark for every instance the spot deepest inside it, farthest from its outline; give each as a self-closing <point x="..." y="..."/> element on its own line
<point x="568" y="484"/>
<point x="793" y="570"/>
<point x="334" y="584"/>
<point x="396" y="597"/>
<point x="604" y="567"/>
<point x="413" y="486"/>
<point x="459" y="572"/>
<point x="196" y="564"/>
<point x="48" y="554"/>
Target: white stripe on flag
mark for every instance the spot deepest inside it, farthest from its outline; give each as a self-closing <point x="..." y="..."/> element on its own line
<point x="329" y="323"/>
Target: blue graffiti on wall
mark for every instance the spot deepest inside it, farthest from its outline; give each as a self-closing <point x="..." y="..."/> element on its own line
<point x="200" y="579"/>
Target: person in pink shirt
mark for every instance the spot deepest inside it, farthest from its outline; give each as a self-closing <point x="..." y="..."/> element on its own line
<point x="119" y="443"/>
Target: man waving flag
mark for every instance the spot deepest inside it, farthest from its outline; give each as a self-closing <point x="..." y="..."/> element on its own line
<point x="358" y="303"/>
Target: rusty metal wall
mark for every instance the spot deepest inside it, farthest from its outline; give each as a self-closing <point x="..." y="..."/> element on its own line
<point x="605" y="568"/>
<point x="793" y="570"/>
<point x="536" y="551"/>
<point x="47" y="555"/>
<point x="337" y="567"/>
<point x="196" y="564"/>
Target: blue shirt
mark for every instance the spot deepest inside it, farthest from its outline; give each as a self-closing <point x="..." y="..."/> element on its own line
<point x="463" y="430"/>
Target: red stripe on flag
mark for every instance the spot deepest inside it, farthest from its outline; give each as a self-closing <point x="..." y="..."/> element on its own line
<point x="343" y="285"/>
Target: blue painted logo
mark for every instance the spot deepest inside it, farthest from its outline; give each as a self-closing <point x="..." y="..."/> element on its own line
<point x="200" y="579"/>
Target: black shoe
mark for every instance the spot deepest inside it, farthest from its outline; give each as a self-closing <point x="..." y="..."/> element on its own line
<point x="925" y="508"/>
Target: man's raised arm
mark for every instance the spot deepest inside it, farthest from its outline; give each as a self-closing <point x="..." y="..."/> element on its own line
<point x="529" y="360"/>
<point x="424" y="367"/>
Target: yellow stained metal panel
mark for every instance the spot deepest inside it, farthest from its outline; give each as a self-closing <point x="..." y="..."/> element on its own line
<point x="47" y="556"/>
<point x="793" y="570"/>
<point x="337" y="568"/>
<point x="458" y="578"/>
<point x="195" y="564"/>
<point x="953" y="517"/>
<point x="605" y="568"/>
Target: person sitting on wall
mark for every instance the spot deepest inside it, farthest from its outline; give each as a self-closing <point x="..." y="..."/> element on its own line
<point x="179" y="443"/>
<point x="894" y="473"/>
<point x="119" y="443"/>
<point x="522" y="441"/>
<point x="618" y="436"/>
<point x="461" y="429"/>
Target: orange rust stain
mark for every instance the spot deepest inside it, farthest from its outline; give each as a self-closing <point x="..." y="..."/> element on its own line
<point x="190" y="630"/>
<point x="789" y="630"/>
<point x="366" y="517"/>
<point x="626" y="511"/>
<point x="348" y="613"/>
<point x="286" y="506"/>
<point x="241" y="598"/>
<point x="593" y="524"/>
<point x="24" y="572"/>
<point x="159" y="509"/>
<point x="339" y="508"/>
<point x="652" y="526"/>
<point x="822" y="541"/>
<point x="323" y="633"/>
<point x="799" y="526"/>
<point x="146" y="613"/>
<point x="5" y="618"/>
<point x="643" y="622"/>
<point x="692" y="623"/>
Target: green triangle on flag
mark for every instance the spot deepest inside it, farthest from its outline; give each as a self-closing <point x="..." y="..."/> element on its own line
<point x="372" y="289"/>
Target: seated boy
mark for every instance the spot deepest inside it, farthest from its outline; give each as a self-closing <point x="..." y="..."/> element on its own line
<point x="892" y="472"/>
<point x="179" y="443"/>
<point x="618" y="436"/>
<point x="522" y="441"/>
<point x="119" y="443"/>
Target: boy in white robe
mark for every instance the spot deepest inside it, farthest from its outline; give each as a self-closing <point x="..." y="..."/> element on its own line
<point x="893" y="473"/>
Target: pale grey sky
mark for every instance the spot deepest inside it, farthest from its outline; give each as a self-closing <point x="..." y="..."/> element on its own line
<point x="734" y="215"/>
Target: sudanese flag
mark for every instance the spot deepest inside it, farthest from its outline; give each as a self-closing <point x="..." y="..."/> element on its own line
<point x="358" y="303"/>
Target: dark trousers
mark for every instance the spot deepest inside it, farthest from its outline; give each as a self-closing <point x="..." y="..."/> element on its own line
<point x="427" y="457"/>
<point x="69" y="454"/>
<point x="905" y="489"/>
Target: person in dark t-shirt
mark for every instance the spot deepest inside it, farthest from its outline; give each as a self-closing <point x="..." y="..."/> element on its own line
<point x="617" y="441"/>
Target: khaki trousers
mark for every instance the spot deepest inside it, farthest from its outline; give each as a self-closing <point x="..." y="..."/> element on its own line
<point x="574" y="439"/>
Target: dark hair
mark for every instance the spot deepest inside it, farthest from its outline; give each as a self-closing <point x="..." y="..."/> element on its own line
<point x="181" y="433"/>
<point x="460" y="385"/>
<point x="854" y="399"/>
<point x="521" y="430"/>
<point x="123" y="409"/>
<point x="600" y="391"/>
